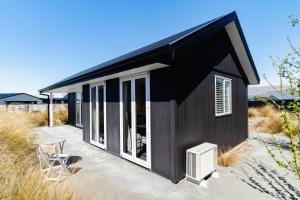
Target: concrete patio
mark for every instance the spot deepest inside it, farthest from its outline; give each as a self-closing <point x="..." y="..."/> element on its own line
<point x="102" y="175"/>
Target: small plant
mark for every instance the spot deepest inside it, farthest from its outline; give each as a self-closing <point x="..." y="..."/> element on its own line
<point x="288" y="70"/>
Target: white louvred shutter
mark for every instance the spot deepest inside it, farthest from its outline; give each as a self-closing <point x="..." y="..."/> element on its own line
<point x="227" y="96"/>
<point x="219" y="95"/>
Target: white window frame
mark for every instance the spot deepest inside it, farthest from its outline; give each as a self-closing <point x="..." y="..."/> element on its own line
<point x="224" y="79"/>
<point x="132" y="157"/>
<point x="103" y="146"/>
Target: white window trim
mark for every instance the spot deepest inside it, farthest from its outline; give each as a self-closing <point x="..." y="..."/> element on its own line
<point x="230" y="96"/>
<point x="103" y="146"/>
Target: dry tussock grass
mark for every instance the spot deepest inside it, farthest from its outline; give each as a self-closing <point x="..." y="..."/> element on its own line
<point x="13" y="132"/>
<point x="267" y="111"/>
<point x="38" y="118"/>
<point x="271" y="124"/>
<point x="60" y="117"/>
<point x="253" y="112"/>
<point x="266" y="119"/>
<point x="264" y="111"/>
<point x="230" y="157"/>
<point x="20" y="177"/>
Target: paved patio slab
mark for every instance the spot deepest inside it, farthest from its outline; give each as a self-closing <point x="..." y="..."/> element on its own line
<point x="106" y="176"/>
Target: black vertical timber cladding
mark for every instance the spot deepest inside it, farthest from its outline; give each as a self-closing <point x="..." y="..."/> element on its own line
<point x="72" y="109"/>
<point x="113" y="116"/>
<point x="195" y="98"/>
<point x="86" y="112"/>
<point x="161" y="121"/>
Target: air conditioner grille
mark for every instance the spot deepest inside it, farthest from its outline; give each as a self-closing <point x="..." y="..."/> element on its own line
<point x="191" y="164"/>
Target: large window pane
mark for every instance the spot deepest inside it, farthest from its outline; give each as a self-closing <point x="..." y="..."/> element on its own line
<point x="78" y="109"/>
<point x="227" y="96"/>
<point x="140" y="100"/>
<point x="94" y="123"/>
<point x="127" y="126"/>
<point x="223" y="96"/>
<point x="219" y="96"/>
<point x="101" y="113"/>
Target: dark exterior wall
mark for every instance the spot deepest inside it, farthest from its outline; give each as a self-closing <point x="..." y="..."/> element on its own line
<point x="195" y="98"/>
<point x="113" y="116"/>
<point x="161" y="121"/>
<point x="86" y="112"/>
<point x="72" y="109"/>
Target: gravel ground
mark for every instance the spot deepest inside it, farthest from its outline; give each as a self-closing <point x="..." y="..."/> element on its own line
<point x="101" y="175"/>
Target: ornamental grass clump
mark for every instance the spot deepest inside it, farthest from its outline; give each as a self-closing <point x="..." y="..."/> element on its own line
<point x="271" y="124"/>
<point x="20" y="175"/>
<point x="231" y="156"/>
<point x="60" y="117"/>
<point x="253" y="112"/>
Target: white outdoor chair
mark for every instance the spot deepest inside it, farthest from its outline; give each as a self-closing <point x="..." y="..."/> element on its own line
<point x="53" y="162"/>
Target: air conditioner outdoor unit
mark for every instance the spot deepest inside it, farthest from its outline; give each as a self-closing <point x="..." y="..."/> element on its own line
<point x="201" y="161"/>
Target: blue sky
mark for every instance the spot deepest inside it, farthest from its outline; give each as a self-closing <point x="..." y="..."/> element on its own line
<point x="42" y="42"/>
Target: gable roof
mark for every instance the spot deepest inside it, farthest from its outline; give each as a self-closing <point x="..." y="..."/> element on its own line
<point x="283" y="97"/>
<point x="169" y="43"/>
<point x="5" y="95"/>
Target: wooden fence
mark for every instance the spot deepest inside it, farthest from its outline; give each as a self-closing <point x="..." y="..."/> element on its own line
<point x="32" y="107"/>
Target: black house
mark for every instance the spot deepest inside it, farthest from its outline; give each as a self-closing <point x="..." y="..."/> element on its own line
<point x="150" y="105"/>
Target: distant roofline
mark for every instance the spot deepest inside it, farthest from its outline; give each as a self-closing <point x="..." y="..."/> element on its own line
<point x="16" y="94"/>
<point x="9" y="95"/>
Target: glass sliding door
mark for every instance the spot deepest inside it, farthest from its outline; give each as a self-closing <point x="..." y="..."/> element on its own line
<point x="140" y="119"/>
<point x="135" y="119"/>
<point x="101" y="114"/>
<point x="93" y="113"/>
<point x="79" y="109"/>
<point x="127" y="126"/>
<point x="98" y="115"/>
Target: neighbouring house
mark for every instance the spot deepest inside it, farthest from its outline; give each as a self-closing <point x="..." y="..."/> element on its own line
<point x="261" y="95"/>
<point x="58" y="100"/>
<point x="150" y="105"/>
<point x="285" y="97"/>
<point x="19" y="98"/>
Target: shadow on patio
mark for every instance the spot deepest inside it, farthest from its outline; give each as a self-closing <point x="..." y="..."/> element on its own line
<point x="267" y="180"/>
